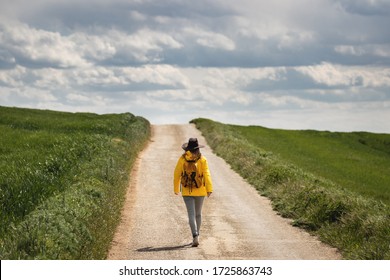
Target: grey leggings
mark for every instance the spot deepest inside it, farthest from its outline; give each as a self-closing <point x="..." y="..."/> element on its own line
<point x="194" y="209"/>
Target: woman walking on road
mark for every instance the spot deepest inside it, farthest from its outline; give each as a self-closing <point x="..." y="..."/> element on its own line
<point x="192" y="178"/>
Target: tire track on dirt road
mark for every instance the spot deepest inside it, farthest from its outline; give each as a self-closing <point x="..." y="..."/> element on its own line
<point x="238" y="223"/>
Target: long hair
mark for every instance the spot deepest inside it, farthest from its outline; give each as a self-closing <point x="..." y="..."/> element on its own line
<point x="196" y="152"/>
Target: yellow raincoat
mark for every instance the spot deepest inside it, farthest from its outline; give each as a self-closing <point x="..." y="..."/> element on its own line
<point x="203" y="171"/>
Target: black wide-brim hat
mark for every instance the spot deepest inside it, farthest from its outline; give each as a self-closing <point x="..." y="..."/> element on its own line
<point x="191" y="145"/>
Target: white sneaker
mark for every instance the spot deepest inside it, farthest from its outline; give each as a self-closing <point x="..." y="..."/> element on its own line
<point x="195" y="242"/>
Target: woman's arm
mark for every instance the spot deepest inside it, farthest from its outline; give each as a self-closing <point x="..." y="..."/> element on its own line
<point x="177" y="175"/>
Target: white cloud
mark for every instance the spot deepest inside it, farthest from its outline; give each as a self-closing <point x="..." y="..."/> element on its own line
<point x="372" y="49"/>
<point x="295" y="39"/>
<point x="38" y="47"/>
<point x="158" y="74"/>
<point x="74" y="97"/>
<point x="209" y="39"/>
<point x="34" y="95"/>
<point x="50" y="79"/>
<point x="335" y="75"/>
<point x="13" y="77"/>
<point x="94" y="47"/>
<point x="146" y="40"/>
<point x="129" y="78"/>
<point x="143" y="46"/>
<point x="292" y="64"/>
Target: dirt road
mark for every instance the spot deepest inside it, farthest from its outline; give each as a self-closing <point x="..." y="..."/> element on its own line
<point x="238" y="223"/>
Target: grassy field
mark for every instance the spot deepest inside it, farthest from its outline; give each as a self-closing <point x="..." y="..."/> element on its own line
<point x="335" y="185"/>
<point x="358" y="161"/>
<point x="62" y="181"/>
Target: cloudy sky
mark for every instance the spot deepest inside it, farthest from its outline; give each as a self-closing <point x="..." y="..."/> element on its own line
<point x="301" y="64"/>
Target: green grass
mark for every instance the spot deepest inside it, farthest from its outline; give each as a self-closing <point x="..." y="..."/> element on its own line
<point x="317" y="179"/>
<point x="358" y="161"/>
<point x="62" y="181"/>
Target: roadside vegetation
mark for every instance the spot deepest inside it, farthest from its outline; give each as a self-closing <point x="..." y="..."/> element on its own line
<point x="335" y="185"/>
<point x="62" y="181"/>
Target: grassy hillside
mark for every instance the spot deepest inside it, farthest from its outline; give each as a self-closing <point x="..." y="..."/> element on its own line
<point x="358" y="161"/>
<point x="321" y="180"/>
<point x="62" y="181"/>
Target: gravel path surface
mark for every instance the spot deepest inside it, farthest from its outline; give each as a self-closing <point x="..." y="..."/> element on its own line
<point x="238" y="223"/>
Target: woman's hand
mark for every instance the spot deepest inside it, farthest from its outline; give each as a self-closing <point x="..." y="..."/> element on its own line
<point x="208" y="194"/>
